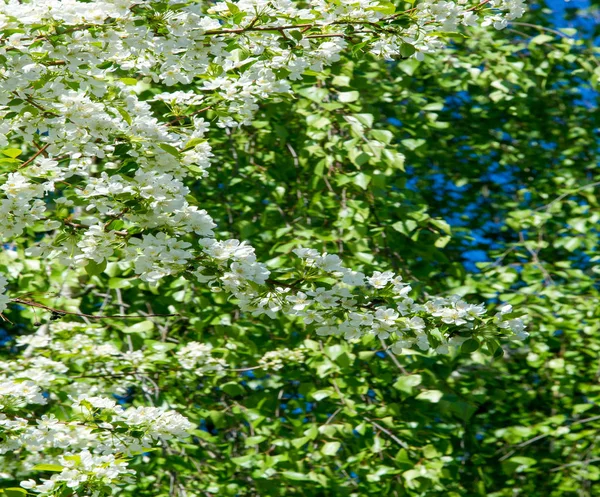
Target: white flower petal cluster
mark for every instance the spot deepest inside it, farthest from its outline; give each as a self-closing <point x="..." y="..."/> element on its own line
<point x="277" y="359"/>
<point x="197" y="357"/>
<point x="114" y="433"/>
<point x="19" y="394"/>
<point x="60" y="91"/>
<point x="83" y="469"/>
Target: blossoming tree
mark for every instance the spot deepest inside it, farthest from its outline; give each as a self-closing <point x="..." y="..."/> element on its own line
<point x="107" y="111"/>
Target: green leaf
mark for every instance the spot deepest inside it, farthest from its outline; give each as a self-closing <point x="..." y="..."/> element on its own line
<point x="13" y="153"/>
<point x="321" y="394"/>
<point x="471" y="345"/>
<point x="129" y="81"/>
<point x="234" y="389"/>
<point x="193" y="142"/>
<point x="432" y="396"/>
<point x="251" y="441"/>
<point x="572" y="244"/>
<point x="442" y="241"/>
<point x="141" y="327"/>
<point x="412" y="143"/>
<point x="541" y="39"/>
<point x="362" y="180"/>
<point x="10" y="162"/>
<point x="48" y="467"/>
<point x="170" y="149"/>
<point x="330" y="448"/>
<point x="299" y="442"/>
<point x="294" y="475"/>
<point x="406" y="50"/>
<point x="318" y="121"/>
<point x="125" y="115"/>
<point x="405" y="227"/>
<point x="442" y="225"/>
<point x="14" y="492"/>
<point x="348" y="96"/>
<point x="233" y="8"/>
<point x="94" y="269"/>
<point x="408" y="383"/>
<point x="386" y="8"/>
<point x="568" y="31"/>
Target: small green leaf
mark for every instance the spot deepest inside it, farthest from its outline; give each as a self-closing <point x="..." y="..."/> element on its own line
<point x="407" y="383"/>
<point x="170" y="149"/>
<point x="232" y="388"/>
<point x="432" y="396"/>
<point x="15" y="492"/>
<point x="405" y="227"/>
<point x="233" y="8"/>
<point x="348" y="96"/>
<point x="330" y="448"/>
<point x="129" y="81"/>
<point x="386" y="8"/>
<point x="251" y="441"/>
<point x="48" y="467"/>
<point x="193" y="142"/>
<point x="125" y="115"/>
<point x="541" y="39"/>
<point x="442" y="241"/>
<point x="141" y="327"/>
<point x="471" y="345"/>
<point x="294" y="475"/>
<point x="10" y="161"/>
<point x="13" y="153"/>
<point x="362" y="180"/>
<point x="321" y="394"/>
<point x="94" y="268"/>
<point x="406" y="50"/>
<point x="412" y="143"/>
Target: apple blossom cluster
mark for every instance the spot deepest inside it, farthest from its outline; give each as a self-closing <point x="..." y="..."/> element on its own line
<point x="93" y="472"/>
<point x="277" y="359"/>
<point x="85" y="84"/>
<point x="89" y="446"/>
<point x="115" y="434"/>
<point x="197" y="358"/>
<point x="57" y="352"/>
<point x="357" y="304"/>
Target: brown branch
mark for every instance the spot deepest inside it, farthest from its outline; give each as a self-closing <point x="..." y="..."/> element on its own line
<point x="34" y="156"/>
<point x="89" y="316"/>
<point x="246" y="369"/>
<point x="332" y="35"/>
<point x="115" y="217"/>
<point x="478" y="5"/>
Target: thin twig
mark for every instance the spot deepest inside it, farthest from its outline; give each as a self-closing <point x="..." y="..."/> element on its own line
<point x="540" y="28"/>
<point x="559" y="198"/>
<point x="34" y="156"/>
<point x="89" y="316"/>
<point x="330" y="418"/>
<point x="393" y="357"/>
<point x="389" y="434"/>
<point x="587" y="461"/>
